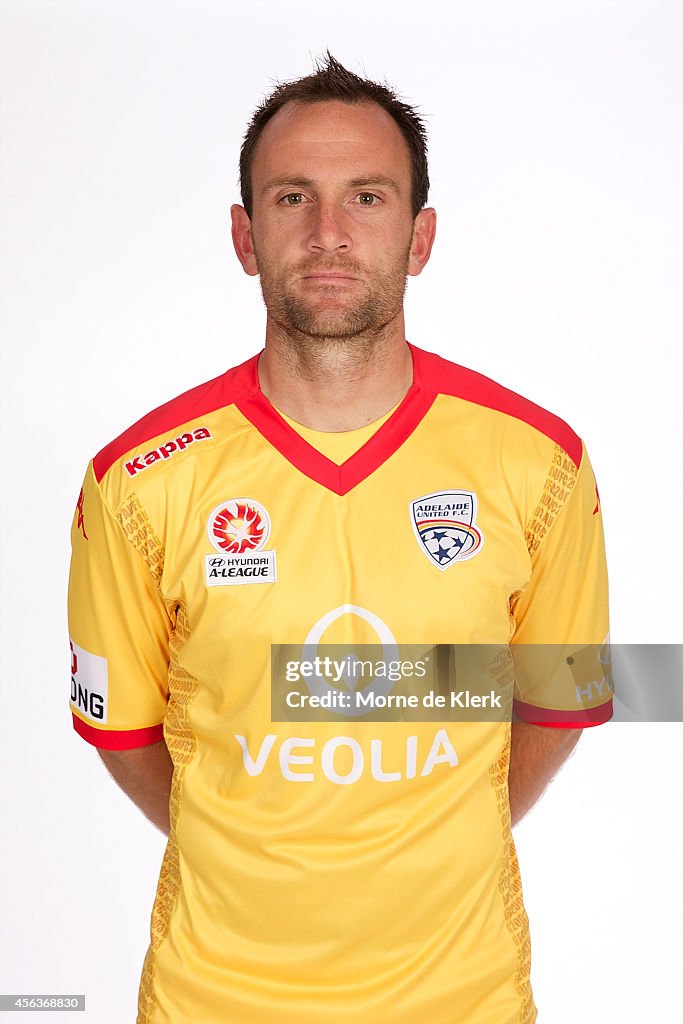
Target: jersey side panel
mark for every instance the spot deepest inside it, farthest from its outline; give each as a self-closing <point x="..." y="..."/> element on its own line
<point x="561" y="637"/>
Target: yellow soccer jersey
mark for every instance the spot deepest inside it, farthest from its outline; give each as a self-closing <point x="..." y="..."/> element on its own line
<point x="346" y="869"/>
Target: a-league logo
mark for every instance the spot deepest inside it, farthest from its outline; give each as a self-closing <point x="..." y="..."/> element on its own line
<point x="239" y="525"/>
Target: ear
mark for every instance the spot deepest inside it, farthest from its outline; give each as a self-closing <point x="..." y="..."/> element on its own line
<point x="242" y="239"/>
<point x="424" y="230"/>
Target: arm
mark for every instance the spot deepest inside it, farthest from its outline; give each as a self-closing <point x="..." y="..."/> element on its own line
<point x="144" y="774"/>
<point x="536" y="754"/>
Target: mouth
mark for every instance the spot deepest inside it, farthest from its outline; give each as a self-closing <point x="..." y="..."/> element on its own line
<point x="329" y="278"/>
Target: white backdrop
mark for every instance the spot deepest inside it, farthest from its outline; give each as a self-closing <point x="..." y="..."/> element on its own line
<point x="556" y="156"/>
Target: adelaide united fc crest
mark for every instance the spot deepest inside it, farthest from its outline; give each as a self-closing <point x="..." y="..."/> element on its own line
<point x="445" y="525"/>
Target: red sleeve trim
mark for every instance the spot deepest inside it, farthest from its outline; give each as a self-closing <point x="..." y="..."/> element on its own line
<point x="121" y="739"/>
<point x="448" y="378"/>
<point x="199" y="401"/>
<point x="563" y="719"/>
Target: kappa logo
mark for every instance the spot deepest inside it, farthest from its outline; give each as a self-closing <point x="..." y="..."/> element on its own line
<point x="238" y="529"/>
<point x="80" y="523"/>
<point x="444" y="523"/>
<point x="166" y="450"/>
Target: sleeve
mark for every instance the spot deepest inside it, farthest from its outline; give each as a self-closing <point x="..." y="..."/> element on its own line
<point x="560" y="643"/>
<point x="119" y="630"/>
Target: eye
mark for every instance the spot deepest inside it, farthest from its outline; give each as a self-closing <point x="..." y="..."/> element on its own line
<point x="299" y="195"/>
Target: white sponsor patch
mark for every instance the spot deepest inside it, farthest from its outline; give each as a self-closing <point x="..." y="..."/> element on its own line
<point x="231" y="570"/>
<point x="89" y="684"/>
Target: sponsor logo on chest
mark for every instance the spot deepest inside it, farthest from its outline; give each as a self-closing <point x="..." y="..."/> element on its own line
<point x="238" y="530"/>
<point x="295" y="752"/>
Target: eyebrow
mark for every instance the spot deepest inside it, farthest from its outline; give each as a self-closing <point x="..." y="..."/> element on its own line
<point x="376" y="180"/>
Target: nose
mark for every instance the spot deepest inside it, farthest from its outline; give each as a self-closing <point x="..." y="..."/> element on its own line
<point x="329" y="229"/>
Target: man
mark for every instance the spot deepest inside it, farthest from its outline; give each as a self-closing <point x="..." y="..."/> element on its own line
<point x="343" y="486"/>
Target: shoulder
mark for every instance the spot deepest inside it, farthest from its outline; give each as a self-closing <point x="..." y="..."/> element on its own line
<point x="448" y="378"/>
<point x="174" y="426"/>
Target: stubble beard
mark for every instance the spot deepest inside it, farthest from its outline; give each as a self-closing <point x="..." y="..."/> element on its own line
<point x="339" y="318"/>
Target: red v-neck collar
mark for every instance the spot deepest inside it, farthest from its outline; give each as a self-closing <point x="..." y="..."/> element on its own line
<point x="374" y="453"/>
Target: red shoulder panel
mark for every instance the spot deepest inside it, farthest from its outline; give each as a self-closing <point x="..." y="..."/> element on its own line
<point x="449" y="378"/>
<point x="205" y="398"/>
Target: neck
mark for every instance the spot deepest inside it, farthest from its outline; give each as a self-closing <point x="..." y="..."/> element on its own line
<point x="336" y="384"/>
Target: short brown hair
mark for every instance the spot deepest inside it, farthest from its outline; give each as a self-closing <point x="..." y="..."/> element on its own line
<point x="332" y="81"/>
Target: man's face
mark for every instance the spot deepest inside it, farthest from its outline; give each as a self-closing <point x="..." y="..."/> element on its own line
<point x="312" y="214"/>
